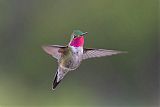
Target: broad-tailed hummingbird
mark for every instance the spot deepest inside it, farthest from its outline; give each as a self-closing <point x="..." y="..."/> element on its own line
<point x="70" y="57"/>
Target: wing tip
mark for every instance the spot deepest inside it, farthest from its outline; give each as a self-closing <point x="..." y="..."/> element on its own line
<point x="46" y="49"/>
<point x="44" y="46"/>
<point x="119" y="52"/>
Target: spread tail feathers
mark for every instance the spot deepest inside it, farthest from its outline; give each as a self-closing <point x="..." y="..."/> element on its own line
<point x="58" y="77"/>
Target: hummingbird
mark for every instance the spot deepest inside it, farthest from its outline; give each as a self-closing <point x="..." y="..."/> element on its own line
<point x="70" y="57"/>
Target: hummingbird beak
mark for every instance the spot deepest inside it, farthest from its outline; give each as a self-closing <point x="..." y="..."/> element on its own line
<point x="84" y="33"/>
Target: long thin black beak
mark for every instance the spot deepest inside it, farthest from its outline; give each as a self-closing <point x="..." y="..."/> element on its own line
<point x="84" y="33"/>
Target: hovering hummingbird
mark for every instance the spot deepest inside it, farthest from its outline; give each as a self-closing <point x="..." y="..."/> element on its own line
<point x="70" y="57"/>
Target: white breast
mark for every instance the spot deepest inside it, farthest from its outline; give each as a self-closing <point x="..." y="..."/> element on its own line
<point x="77" y="50"/>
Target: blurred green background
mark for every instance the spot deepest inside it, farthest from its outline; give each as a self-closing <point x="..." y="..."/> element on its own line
<point x="26" y="71"/>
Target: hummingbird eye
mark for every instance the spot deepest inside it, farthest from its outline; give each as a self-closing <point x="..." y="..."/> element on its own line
<point x="75" y="36"/>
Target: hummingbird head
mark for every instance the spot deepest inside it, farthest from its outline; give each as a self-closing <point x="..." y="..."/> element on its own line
<point x="77" y="38"/>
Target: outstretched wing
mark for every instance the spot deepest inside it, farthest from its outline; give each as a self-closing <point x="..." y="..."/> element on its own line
<point x="54" y="50"/>
<point x="59" y="76"/>
<point x="92" y="53"/>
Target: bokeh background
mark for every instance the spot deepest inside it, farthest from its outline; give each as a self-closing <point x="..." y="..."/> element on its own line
<point x="128" y="80"/>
